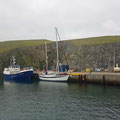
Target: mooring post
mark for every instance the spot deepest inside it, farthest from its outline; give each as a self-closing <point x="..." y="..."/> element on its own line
<point x="85" y="78"/>
<point x="103" y="79"/>
<point x="69" y="79"/>
<point x="79" y="78"/>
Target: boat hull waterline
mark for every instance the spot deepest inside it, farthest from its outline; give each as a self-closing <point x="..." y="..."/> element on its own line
<point x="22" y="76"/>
<point x="54" y="78"/>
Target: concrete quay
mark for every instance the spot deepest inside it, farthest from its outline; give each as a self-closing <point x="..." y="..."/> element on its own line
<point x="95" y="77"/>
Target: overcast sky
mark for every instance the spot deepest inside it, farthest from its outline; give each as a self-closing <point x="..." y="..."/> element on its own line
<point x="36" y="19"/>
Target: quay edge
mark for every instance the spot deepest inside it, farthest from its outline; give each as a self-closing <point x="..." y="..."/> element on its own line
<point x="1" y="80"/>
<point x="104" y="78"/>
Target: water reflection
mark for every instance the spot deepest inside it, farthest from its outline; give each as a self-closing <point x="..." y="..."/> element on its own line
<point x="52" y="100"/>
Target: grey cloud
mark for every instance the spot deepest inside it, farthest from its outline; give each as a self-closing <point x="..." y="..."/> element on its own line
<point x="29" y="19"/>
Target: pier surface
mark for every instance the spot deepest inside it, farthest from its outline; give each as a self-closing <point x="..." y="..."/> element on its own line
<point x="93" y="73"/>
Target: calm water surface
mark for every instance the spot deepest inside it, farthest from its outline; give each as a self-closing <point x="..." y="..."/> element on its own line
<point x="58" y="101"/>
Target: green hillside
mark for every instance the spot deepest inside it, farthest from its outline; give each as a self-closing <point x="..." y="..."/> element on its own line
<point x="96" y="40"/>
<point x="8" y="45"/>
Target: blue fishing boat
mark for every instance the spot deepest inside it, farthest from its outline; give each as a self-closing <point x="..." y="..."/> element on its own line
<point x="16" y="74"/>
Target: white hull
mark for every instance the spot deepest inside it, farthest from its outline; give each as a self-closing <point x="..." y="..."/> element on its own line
<point x="54" y="78"/>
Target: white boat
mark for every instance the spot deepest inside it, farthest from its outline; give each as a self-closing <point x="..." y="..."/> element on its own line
<point x="117" y="68"/>
<point x="53" y="76"/>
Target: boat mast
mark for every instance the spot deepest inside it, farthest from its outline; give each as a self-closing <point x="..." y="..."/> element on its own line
<point x="46" y="56"/>
<point x="115" y="56"/>
<point x="12" y="61"/>
<point x="63" y="49"/>
<point x="57" y="65"/>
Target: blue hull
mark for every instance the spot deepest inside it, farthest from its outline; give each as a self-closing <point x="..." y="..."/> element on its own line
<point x="22" y="77"/>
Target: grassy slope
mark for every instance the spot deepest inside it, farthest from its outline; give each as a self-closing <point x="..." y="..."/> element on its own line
<point x="96" y="40"/>
<point x="8" y="45"/>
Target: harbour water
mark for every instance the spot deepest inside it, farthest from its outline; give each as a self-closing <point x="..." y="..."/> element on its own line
<point x="58" y="101"/>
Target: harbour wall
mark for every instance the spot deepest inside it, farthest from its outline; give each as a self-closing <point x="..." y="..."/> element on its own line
<point x="1" y="80"/>
<point x="94" y="77"/>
